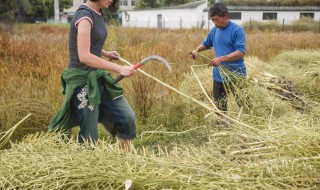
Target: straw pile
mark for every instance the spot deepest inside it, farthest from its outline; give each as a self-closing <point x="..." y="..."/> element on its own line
<point x="280" y="158"/>
<point x="302" y="68"/>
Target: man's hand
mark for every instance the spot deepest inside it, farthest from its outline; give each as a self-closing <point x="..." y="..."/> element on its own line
<point x="215" y="62"/>
<point x="113" y="55"/>
<point x="194" y="54"/>
<point x="126" y="71"/>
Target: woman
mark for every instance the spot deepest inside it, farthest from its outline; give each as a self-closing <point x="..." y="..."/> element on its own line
<point x="89" y="95"/>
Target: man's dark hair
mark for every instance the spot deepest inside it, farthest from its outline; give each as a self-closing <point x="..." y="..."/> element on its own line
<point x="218" y="9"/>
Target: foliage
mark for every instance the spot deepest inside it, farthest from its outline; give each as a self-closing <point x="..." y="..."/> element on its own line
<point x="146" y="4"/>
<point x="10" y="9"/>
<point x="175" y="2"/>
<point x="160" y="3"/>
<point x="30" y="10"/>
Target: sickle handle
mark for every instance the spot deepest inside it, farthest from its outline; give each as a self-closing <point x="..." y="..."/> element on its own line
<point x="120" y="77"/>
<point x="137" y="66"/>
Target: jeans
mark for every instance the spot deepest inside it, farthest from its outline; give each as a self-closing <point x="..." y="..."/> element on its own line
<point x="116" y="115"/>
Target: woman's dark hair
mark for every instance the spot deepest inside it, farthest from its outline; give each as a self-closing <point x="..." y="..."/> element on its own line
<point x="218" y="9"/>
<point x="113" y="5"/>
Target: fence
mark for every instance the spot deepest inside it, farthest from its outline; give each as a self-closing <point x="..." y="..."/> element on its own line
<point x="169" y="23"/>
<point x="304" y="24"/>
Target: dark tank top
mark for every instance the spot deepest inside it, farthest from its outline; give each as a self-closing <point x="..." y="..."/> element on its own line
<point x="98" y="36"/>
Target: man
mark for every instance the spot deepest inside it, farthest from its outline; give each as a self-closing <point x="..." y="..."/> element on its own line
<point x="228" y="41"/>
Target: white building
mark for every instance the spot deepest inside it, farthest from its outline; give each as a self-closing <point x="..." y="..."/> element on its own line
<point x="182" y="16"/>
<point x="127" y="5"/>
<point x="67" y="14"/>
<point x="241" y="14"/>
<point x="195" y="14"/>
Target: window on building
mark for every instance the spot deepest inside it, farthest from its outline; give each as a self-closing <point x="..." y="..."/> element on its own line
<point x="133" y="2"/>
<point x="235" y="15"/>
<point x="269" y="16"/>
<point x="124" y="3"/>
<point x="307" y="15"/>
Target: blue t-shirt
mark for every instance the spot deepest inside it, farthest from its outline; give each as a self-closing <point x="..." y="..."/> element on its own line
<point x="225" y="41"/>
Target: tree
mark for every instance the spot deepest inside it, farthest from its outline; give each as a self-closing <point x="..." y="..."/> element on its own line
<point x="29" y="10"/>
<point x="175" y="2"/>
<point x="44" y="9"/>
<point x="147" y="4"/>
<point x="10" y="9"/>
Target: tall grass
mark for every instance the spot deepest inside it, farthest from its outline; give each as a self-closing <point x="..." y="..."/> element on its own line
<point x="32" y="58"/>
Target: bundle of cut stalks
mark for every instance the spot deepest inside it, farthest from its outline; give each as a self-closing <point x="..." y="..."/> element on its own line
<point x="302" y="68"/>
<point x="283" y="158"/>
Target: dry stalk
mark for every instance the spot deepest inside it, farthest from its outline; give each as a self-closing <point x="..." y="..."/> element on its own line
<point x="250" y="150"/>
<point x="269" y="125"/>
<point x="6" y="137"/>
<point x="201" y="86"/>
<point x="170" y="132"/>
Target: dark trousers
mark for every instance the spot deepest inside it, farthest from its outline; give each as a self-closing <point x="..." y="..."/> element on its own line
<point x="220" y="95"/>
<point x="220" y="90"/>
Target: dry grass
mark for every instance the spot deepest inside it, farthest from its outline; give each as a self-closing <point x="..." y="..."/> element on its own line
<point x="32" y="58"/>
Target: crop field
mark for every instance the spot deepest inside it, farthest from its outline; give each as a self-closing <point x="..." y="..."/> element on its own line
<point x="271" y="143"/>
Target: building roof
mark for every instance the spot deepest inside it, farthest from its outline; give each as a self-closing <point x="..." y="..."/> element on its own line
<point x="271" y="8"/>
<point x="191" y="5"/>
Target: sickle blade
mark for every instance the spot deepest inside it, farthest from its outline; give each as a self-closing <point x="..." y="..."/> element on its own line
<point x="158" y="58"/>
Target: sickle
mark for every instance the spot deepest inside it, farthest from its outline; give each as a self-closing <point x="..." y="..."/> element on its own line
<point x="145" y="60"/>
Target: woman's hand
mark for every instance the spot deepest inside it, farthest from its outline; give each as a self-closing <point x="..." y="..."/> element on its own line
<point x="113" y="55"/>
<point x="126" y="71"/>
